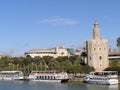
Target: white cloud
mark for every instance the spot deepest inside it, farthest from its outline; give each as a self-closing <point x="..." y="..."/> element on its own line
<point x="59" y="21"/>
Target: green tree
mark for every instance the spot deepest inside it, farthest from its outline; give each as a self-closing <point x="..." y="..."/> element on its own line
<point x="115" y="63"/>
<point x="61" y="59"/>
<point x="83" y="57"/>
<point x="74" y="59"/>
<point x="118" y="42"/>
<point x="115" y="66"/>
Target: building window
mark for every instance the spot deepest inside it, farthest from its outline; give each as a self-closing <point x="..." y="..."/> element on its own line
<point x="62" y="53"/>
<point x="28" y="56"/>
<point x="94" y="48"/>
<point x="99" y="48"/>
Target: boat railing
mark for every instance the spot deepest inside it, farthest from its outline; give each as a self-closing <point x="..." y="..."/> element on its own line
<point x="105" y="73"/>
<point x="47" y="72"/>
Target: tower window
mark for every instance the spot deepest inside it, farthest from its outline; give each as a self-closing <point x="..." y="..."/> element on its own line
<point x="100" y="57"/>
<point x="90" y="58"/>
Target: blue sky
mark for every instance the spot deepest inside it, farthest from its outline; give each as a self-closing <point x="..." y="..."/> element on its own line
<point x="29" y="24"/>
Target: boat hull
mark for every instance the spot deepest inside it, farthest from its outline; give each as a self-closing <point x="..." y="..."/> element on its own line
<point x="48" y="76"/>
<point x="102" y="77"/>
<point x="104" y="82"/>
<point x="47" y="80"/>
<point x="11" y="78"/>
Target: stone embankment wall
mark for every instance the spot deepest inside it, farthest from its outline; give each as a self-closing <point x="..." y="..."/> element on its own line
<point x="76" y="77"/>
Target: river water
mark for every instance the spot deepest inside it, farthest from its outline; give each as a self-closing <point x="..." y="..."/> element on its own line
<point x="29" y="85"/>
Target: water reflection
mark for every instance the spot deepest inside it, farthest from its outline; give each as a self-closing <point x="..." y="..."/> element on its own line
<point x="24" y="85"/>
<point x="113" y="87"/>
<point x="101" y="87"/>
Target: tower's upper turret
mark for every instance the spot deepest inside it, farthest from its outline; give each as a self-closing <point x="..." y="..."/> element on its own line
<point x="96" y="24"/>
<point x="96" y="31"/>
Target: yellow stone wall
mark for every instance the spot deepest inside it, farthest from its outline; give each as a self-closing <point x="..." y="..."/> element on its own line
<point x="97" y="50"/>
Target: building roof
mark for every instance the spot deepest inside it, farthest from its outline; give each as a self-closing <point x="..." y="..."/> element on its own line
<point x="41" y="50"/>
<point x="48" y="50"/>
<point x="114" y="53"/>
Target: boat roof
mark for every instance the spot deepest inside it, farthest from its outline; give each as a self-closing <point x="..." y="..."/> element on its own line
<point x="9" y="71"/>
<point x="104" y="71"/>
<point x="47" y="71"/>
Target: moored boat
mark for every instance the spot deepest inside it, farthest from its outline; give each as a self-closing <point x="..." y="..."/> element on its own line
<point x="102" y="77"/>
<point x="48" y="76"/>
<point x="11" y="75"/>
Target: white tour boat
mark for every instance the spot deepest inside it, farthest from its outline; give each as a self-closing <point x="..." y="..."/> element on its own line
<point x="48" y="76"/>
<point x="11" y="75"/>
<point x="102" y="77"/>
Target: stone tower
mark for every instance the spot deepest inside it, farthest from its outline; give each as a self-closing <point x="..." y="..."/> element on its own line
<point x="97" y="50"/>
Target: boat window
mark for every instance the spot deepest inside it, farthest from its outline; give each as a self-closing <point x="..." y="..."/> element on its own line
<point x="45" y="77"/>
<point x="96" y="73"/>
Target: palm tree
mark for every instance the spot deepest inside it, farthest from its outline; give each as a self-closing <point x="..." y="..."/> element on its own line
<point x="83" y="58"/>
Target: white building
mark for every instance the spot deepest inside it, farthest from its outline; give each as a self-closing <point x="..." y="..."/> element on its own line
<point x="53" y="52"/>
<point x="78" y="52"/>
